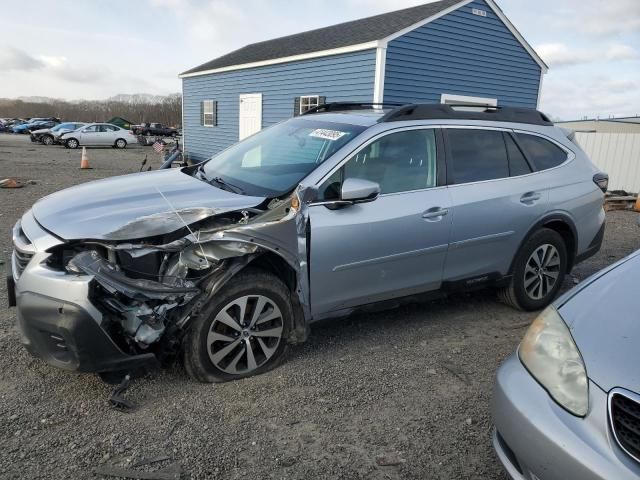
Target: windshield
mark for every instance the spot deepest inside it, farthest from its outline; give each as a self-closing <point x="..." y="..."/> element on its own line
<point x="273" y="161"/>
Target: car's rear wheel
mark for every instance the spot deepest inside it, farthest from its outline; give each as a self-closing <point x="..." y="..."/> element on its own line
<point x="72" y="143"/>
<point x="47" y="140"/>
<point x="243" y="330"/>
<point x="121" y="143"/>
<point x="538" y="271"/>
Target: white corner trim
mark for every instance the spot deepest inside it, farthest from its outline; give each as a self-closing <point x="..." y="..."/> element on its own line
<point x="448" y="98"/>
<point x="496" y="9"/>
<point x="293" y="58"/>
<point x="381" y="66"/>
<point x="540" y="92"/>
<point x="184" y="146"/>
<point x="419" y="24"/>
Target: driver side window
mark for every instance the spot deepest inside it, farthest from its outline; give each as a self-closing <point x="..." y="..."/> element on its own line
<point x="398" y="162"/>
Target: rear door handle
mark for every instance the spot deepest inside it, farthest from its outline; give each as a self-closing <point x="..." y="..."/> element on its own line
<point x="435" y="214"/>
<point x="530" y="198"/>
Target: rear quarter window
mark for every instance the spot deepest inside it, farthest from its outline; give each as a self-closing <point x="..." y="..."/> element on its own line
<point x="542" y="153"/>
<point x="477" y="155"/>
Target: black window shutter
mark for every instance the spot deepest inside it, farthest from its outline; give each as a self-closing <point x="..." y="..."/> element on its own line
<point x="202" y="113"/>
<point x="322" y="100"/>
<point x="215" y="114"/>
<point x="296" y="107"/>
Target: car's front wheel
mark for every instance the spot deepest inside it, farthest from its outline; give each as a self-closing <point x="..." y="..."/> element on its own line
<point x="72" y="143"/>
<point x="243" y="330"/>
<point x="47" y="140"/>
<point x="538" y="271"/>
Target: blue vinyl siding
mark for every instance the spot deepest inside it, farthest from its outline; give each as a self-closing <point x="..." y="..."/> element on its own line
<point x="461" y="54"/>
<point x="345" y="77"/>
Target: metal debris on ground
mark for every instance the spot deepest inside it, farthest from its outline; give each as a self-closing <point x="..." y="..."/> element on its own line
<point x="389" y="460"/>
<point x="10" y="183"/>
<point x="172" y="472"/>
<point x="117" y="400"/>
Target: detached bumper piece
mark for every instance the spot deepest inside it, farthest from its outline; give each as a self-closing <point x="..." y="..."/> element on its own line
<point x="66" y="336"/>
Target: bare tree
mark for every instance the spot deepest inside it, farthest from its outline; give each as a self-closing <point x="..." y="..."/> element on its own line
<point x="166" y="110"/>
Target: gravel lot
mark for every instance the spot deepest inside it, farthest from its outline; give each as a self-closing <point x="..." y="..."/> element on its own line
<point x="412" y="385"/>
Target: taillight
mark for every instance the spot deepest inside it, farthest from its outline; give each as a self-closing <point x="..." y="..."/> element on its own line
<point x="602" y="181"/>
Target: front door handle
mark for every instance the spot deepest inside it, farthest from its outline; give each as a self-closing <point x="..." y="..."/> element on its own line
<point x="530" y="198"/>
<point x="435" y="214"/>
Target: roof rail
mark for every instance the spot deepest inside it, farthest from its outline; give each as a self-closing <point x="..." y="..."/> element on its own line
<point x="449" y="112"/>
<point x="347" y="106"/>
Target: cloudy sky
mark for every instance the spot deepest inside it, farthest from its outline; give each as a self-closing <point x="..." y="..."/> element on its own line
<point x="71" y="49"/>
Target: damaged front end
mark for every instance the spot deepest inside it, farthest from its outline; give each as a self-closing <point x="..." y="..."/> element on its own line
<point x="149" y="290"/>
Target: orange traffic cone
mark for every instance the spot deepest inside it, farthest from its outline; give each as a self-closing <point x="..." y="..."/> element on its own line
<point x="84" y="161"/>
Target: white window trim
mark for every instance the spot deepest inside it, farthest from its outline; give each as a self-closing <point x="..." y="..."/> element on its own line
<point x="448" y="98"/>
<point x="204" y="114"/>
<point x="315" y="97"/>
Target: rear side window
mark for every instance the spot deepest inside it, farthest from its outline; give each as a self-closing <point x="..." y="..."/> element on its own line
<point x="542" y="153"/>
<point x="477" y="155"/>
<point x="518" y="164"/>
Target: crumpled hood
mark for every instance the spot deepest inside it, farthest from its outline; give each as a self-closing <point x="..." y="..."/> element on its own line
<point x="134" y="206"/>
<point x="604" y="318"/>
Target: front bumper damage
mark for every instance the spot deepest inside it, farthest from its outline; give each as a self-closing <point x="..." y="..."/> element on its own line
<point x="83" y="308"/>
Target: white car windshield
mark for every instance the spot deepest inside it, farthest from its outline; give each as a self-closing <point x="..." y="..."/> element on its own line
<point x="273" y="161"/>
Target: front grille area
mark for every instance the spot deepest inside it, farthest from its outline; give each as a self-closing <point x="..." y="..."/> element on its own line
<point x="22" y="259"/>
<point x="625" y="421"/>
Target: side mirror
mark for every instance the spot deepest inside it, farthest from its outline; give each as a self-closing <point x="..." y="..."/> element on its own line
<point x="358" y="190"/>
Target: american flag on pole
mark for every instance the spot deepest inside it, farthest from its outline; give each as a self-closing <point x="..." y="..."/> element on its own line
<point x="158" y="147"/>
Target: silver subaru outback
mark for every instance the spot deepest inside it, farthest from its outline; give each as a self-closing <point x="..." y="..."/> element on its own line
<point x="225" y="263"/>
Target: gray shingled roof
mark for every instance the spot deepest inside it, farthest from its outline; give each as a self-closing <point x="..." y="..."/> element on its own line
<point x="335" y="36"/>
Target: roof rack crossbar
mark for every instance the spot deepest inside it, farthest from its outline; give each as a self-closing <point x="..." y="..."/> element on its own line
<point x="346" y="106"/>
<point x="448" y="112"/>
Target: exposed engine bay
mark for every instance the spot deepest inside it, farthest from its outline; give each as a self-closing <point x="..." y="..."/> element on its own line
<point x="148" y="290"/>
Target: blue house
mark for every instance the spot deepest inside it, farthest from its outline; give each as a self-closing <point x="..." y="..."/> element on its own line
<point x="450" y="51"/>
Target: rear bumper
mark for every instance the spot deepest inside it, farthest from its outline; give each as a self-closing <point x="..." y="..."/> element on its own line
<point x="66" y="336"/>
<point x="536" y="439"/>
<point x="594" y="247"/>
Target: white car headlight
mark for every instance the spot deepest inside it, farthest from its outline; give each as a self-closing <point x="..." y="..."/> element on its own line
<point x="553" y="359"/>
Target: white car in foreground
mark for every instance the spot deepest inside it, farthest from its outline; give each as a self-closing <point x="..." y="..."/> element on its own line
<point x="98" y="134"/>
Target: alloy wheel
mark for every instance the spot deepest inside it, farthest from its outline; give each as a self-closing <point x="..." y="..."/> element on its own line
<point x="245" y="334"/>
<point x="542" y="271"/>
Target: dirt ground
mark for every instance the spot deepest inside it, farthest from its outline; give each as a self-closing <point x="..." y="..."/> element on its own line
<point x="413" y="384"/>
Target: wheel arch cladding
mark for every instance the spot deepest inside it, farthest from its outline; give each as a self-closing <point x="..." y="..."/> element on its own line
<point x="279" y="267"/>
<point x="561" y="224"/>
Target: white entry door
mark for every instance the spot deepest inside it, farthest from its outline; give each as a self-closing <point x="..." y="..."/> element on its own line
<point x="250" y="114"/>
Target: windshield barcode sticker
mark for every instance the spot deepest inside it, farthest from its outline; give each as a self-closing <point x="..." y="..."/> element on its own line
<point x="332" y="135"/>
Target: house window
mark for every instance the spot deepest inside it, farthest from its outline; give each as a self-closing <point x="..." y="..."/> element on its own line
<point x="308" y="102"/>
<point x="209" y="113"/>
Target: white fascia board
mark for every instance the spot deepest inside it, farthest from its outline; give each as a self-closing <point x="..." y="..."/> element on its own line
<point x="293" y="58"/>
<point x="419" y="24"/>
<point x="496" y="9"/>
<point x="381" y="66"/>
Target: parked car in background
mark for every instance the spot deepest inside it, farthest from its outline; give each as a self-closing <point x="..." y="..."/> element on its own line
<point x="49" y="136"/>
<point x="36" y="124"/>
<point x="98" y="134"/>
<point x="156" y="129"/>
<point x="348" y="205"/>
<point x="566" y="405"/>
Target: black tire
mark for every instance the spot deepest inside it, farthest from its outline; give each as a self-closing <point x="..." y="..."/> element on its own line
<point x="515" y="294"/>
<point x="120" y="143"/>
<point x="72" y="143"/>
<point x="196" y="353"/>
<point x="47" y="140"/>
